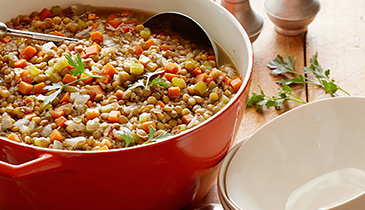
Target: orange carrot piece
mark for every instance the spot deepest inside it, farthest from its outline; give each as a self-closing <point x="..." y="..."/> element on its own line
<point x="98" y="46"/>
<point x="26" y="76"/>
<point x="38" y="88"/>
<point x="227" y="80"/>
<point x="107" y="143"/>
<point x="97" y="89"/>
<point x="88" y="80"/>
<point x="22" y="63"/>
<point x="150" y="42"/>
<point x="114" y="116"/>
<point x="92" y="50"/>
<point x="106" y="80"/>
<point x="169" y="76"/>
<point x="201" y="77"/>
<point x="166" y="47"/>
<point x="14" y="137"/>
<point x="25" y="88"/>
<point x="29" y="116"/>
<point x="236" y="84"/>
<point x="97" y="36"/>
<point x="211" y="57"/>
<point x="58" y="33"/>
<point x="172" y="68"/>
<point x="45" y="13"/>
<point x="187" y="118"/>
<point x="119" y="94"/>
<point x="40" y="54"/>
<point x="65" y="97"/>
<point x="29" y="52"/>
<point x="7" y="39"/>
<point x="109" y="69"/>
<point x="115" y="23"/>
<point x="61" y="121"/>
<point x="112" y="17"/>
<point x="69" y="78"/>
<point x="56" y="135"/>
<point x="138" y="50"/>
<point x="146" y="126"/>
<point x="92" y="113"/>
<point x="92" y="16"/>
<point x="161" y="104"/>
<point x="173" y="92"/>
<point x="197" y="71"/>
<point x="59" y="111"/>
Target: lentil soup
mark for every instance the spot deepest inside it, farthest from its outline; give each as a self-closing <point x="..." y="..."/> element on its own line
<point x="119" y="86"/>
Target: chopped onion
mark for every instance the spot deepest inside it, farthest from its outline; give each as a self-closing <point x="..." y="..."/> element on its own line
<point x="82" y="99"/>
<point x="21" y="122"/>
<point x="73" y="141"/>
<point x="24" y="129"/>
<point x="46" y="131"/>
<point x="48" y="46"/>
<point x="76" y="126"/>
<point x="6" y="122"/>
<point x="57" y="145"/>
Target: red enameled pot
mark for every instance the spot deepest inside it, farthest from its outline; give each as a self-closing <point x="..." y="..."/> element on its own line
<point x="170" y="174"/>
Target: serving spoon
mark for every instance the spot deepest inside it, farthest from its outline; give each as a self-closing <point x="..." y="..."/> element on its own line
<point x="183" y="25"/>
<point x="4" y="30"/>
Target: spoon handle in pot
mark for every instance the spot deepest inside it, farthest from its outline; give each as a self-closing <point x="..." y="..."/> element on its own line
<point x="39" y="36"/>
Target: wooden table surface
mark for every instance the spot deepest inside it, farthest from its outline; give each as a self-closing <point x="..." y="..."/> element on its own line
<point x="337" y="34"/>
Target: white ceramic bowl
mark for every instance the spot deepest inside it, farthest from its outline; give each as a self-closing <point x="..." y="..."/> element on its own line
<point x="313" y="155"/>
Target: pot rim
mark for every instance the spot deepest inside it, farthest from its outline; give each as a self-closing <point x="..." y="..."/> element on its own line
<point x="245" y="84"/>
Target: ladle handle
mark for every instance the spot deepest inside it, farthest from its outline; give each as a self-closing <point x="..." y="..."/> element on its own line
<point x="355" y="203"/>
<point x="4" y="30"/>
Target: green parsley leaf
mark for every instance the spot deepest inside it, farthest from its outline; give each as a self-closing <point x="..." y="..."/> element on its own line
<point x="146" y="85"/>
<point x="127" y="136"/>
<point x="152" y="132"/>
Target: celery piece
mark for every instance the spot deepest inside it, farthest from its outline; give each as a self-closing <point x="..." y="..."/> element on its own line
<point x="201" y="87"/>
<point x="151" y="66"/>
<point x="33" y="70"/>
<point x="137" y="69"/>
<point x="178" y="82"/>
<point x="60" y="64"/>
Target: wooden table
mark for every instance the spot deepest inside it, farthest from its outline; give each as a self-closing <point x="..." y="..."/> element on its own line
<point x="337" y="34"/>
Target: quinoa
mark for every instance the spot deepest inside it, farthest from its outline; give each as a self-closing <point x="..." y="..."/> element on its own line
<point x="110" y="112"/>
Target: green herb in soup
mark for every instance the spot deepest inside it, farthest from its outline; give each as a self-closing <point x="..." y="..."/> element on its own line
<point x="119" y="86"/>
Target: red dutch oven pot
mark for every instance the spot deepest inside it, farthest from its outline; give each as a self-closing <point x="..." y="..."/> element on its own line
<point x="170" y="174"/>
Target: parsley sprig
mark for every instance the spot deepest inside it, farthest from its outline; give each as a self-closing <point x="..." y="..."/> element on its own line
<point x="79" y="66"/>
<point x="128" y="137"/>
<point x="280" y="66"/>
<point x="147" y="84"/>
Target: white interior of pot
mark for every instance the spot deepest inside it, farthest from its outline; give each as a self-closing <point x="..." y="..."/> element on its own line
<point x="297" y="149"/>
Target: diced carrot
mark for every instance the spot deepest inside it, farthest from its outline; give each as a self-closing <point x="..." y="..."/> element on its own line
<point x="201" y="77"/>
<point x="235" y="77"/>
<point x="187" y="118"/>
<point x="150" y="42"/>
<point x="45" y="13"/>
<point x="169" y="76"/>
<point x="161" y="104"/>
<point x="29" y="52"/>
<point x="35" y="18"/>
<point x="40" y="54"/>
<point x="227" y="80"/>
<point x="146" y="126"/>
<point x="114" y="116"/>
<point x="56" y="135"/>
<point x="97" y="36"/>
<point x="104" y="148"/>
<point x="173" y="92"/>
<point x="61" y="121"/>
<point x="197" y="71"/>
<point x="106" y="143"/>
<point x="236" y="84"/>
<point x="106" y="80"/>
<point x="98" y="46"/>
<point x="65" y="97"/>
<point x="92" y="50"/>
<point x="25" y="88"/>
<point x="38" y="88"/>
<point x="58" y="33"/>
<point x="126" y="13"/>
<point x="88" y="80"/>
<point x="138" y="50"/>
<point x="92" y="113"/>
<point x="29" y="116"/>
<point x="92" y="16"/>
<point x="69" y="78"/>
<point x="119" y="94"/>
<point x="172" y="68"/>
<point x="211" y="57"/>
<point x="83" y="55"/>
<point x="109" y="69"/>
<point x="112" y="17"/>
<point x="26" y="76"/>
<point x="115" y="23"/>
<point x="7" y="39"/>
<point x="14" y="137"/>
<point x="59" y="111"/>
<point x="98" y="89"/>
<point x="127" y="28"/>
<point x="89" y="103"/>
<point x="166" y="47"/>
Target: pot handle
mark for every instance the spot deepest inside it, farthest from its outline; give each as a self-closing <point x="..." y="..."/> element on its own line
<point x="44" y="163"/>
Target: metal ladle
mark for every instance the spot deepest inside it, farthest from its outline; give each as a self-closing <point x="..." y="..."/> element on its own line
<point x="4" y="30"/>
<point x="183" y="25"/>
